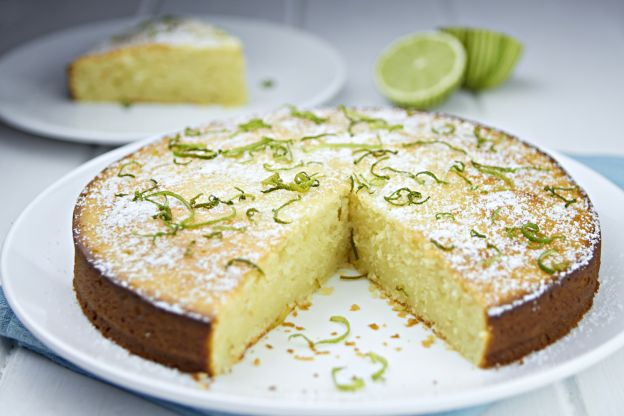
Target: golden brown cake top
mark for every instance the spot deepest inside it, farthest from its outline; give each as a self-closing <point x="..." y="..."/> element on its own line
<point x="508" y="220"/>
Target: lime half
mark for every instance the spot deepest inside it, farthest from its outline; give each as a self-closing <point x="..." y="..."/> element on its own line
<point x="421" y="70"/>
<point x="492" y="56"/>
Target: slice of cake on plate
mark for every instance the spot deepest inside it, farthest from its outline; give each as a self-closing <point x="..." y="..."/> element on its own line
<point x="168" y="60"/>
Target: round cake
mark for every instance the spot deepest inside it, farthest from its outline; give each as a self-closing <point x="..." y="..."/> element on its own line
<point x="190" y="249"/>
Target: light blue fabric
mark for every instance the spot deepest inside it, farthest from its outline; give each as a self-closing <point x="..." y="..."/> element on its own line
<point x="12" y="328"/>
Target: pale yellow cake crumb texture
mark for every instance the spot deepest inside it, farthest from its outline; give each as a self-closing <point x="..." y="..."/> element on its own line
<point x="446" y="243"/>
<point x="184" y="61"/>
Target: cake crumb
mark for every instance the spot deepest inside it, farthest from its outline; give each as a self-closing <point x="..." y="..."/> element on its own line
<point x="326" y="291"/>
<point x="349" y="343"/>
<point x="428" y="342"/>
<point x="395" y="336"/>
<point x="373" y="326"/>
<point x="203" y="380"/>
<point x="411" y="322"/>
<point x="290" y="350"/>
<point x="269" y="346"/>
<point x="355" y="307"/>
<point x="398" y="349"/>
<point x="256" y="362"/>
<point x="304" y="358"/>
<point x="300" y="328"/>
<point x="288" y="324"/>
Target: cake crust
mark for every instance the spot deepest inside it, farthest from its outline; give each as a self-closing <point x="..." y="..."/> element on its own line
<point x="184" y="338"/>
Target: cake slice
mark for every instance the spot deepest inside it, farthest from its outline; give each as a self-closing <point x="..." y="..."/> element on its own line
<point x="169" y="60"/>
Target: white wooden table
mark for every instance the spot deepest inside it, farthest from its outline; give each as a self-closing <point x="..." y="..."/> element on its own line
<point x="568" y="94"/>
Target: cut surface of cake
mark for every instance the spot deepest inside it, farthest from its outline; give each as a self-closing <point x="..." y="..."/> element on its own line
<point x="169" y="60"/>
<point x="191" y="248"/>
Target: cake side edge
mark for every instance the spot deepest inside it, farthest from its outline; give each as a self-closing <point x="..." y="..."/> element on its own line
<point x="534" y="325"/>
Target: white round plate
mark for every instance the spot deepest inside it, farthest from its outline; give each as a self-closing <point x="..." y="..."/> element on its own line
<point x="307" y="71"/>
<point x="36" y="268"/>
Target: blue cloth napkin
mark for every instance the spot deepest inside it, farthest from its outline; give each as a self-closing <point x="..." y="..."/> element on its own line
<point x="12" y="329"/>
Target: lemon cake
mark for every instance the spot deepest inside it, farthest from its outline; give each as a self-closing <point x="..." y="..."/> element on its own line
<point x="169" y="59"/>
<point x="191" y="248"/>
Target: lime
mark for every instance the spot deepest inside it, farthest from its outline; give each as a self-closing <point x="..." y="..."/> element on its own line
<point x="421" y="70"/>
<point x="492" y="56"/>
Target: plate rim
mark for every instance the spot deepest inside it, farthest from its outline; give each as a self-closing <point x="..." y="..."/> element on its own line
<point x="257" y="405"/>
<point x="27" y="124"/>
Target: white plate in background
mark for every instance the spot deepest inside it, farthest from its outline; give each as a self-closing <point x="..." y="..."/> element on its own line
<point x="306" y="71"/>
<point x="36" y="268"/>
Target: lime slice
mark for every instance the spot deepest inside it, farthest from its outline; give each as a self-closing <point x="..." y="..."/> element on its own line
<point x="492" y="56"/>
<point x="421" y="70"/>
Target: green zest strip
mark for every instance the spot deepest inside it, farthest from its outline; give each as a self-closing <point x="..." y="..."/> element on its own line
<point x="316" y="137"/>
<point x="252" y="125"/>
<point x="554" y="267"/>
<point x="459" y="168"/>
<point x="445" y="143"/>
<point x="378" y="359"/>
<point x="192" y="132"/>
<point x="227" y="217"/>
<point x="219" y="229"/>
<point x="474" y="233"/>
<point x="352" y="277"/>
<point x="532" y="232"/>
<point x="356" y="118"/>
<point x="497" y="255"/>
<point x="306" y="115"/>
<point x="340" y="320"/>
<point x="374" y="153"/>
<point x="241" y="196"/>
<point x="479" y="133"/>
<point x="177" y="162"/>
<point x="190" y="150"/>
<point x="374" y="165"/>
<point x="444" y="215"/>
<point x="496" y="171"/>
<point x="353" y="247"/>
<point x="277" y="210"/>
<point x="442" y="246"/>
<point x="553" y="191"/>
<point x="250" y="213"/>
<point x="123" y="174"/>
<point x="405" y="196"/>
<point x="244" y="261"/>
<point x="308" y="340"/>
<point x="357" y="383"/>
<point x="302" y="183"/>
<point x="446" y="129"/>
<point x="361" y="183"/>
<point x="416" y="175"/>
<point x="337" y="319"/>
<point x="280" y="149"/>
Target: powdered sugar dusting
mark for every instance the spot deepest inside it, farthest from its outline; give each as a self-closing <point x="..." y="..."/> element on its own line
<point x="478" y="234"/>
